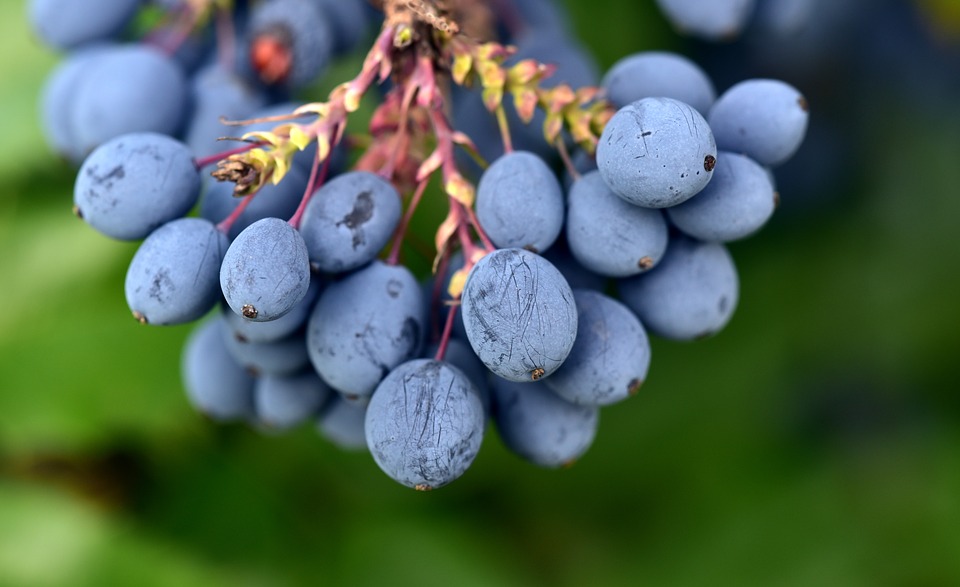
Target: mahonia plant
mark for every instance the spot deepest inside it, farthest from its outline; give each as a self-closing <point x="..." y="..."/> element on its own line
<point x="421" y="49"/>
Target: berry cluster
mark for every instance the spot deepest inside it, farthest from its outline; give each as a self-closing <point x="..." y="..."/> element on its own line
<point x="541" y="297"/>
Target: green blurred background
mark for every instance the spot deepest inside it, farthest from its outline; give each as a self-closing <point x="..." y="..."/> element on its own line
<point x="816" y="441"/>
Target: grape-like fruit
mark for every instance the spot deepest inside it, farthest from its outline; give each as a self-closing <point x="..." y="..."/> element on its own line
<point x="737" y="202"/>
<point x="658" y="73"/>
<point x="610" y="357"/>
<point x="691" y="294"/>
<point x="273" y="330"/>
<point x="134" y="183"/>
<point x="656" y="152"/>
<point x="152" y="96"/>
<point x="349" y="220"/>
<point x="609" y="235"/>
<point x="290" y="41"/>
<point x="341" y="422"/>
<point x="365" y="325"/>
<point x="278" y="357"/>
<point x="519" y="314"/>
<point x="68" y="24"/>
<point x="56" y="98"/>
<point x="540" y="426"/>
<point x="714" y="20"/>
<point x="764" y="119"/>
<point x="175" y="275"/>
<point x="216" y="384"/>
<point x="265" y="272"/>
<point x="424" y="424"/>
<point x="520" y="202"/>
<point x="282" y="402"/>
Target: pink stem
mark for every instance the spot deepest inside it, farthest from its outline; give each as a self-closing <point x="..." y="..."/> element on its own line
<point x="202" y="162"/>
<point x="394" y="256"/>
<point x="565" y="157"/>
<point x="447" y="330"/>
<point x="227" y="223"/>
<point x="472" y="219"/>
<point x="313" y="184"/>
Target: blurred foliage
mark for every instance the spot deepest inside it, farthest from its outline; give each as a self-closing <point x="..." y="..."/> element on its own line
<point x="816" y="441"/>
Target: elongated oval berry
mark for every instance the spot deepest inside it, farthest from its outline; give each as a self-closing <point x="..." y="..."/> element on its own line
<point x="610" y="357"/>
<point x="714" y="20"/>
<point x="152" y="96"/>
<point x="520" y="202"/>
<point x="68" y="24"/>
<point x="290" y="41"/>
<point x="349" y="220"/>
<point x="737" y="202"/>
<point x="540" y="426"/>
<point x="365" y="325"/>
<point x="175" y="275"/>
<point x="250" y="331"/>
<point x="658" y="73"/>
<point x="765" y="119"/>
<point x="609" y="235"/>
<point x="56" y="97"/>
<point x="282" y="402"/>
<point x="691" y="294"/>
<point x="134" y="183"/>
<point x="341" y="422"/>
<point x="216" y="385"/>
<point x="519" y="314"/>
<point x="424" y="424"/>
<point x="265" y="272"/>
<point x="285" y="356"/>
<point x="656" y="152"/>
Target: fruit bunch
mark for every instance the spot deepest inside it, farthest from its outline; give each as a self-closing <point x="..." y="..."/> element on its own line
<point x="287" y="241"/>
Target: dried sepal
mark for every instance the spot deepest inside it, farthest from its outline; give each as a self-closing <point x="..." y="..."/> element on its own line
<point x="429" y="165"/>
<point x="445" y="232"/>
<point x="458" y="188"/>
<point x="457" y="281"/>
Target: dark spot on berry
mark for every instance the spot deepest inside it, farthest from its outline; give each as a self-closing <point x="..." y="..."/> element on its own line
<point x="362" y="212"/>
<point x="394" y="287"/>
<point x="723" y="305"/>
<point x="709" y="162"/>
